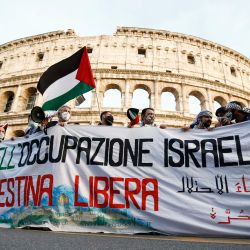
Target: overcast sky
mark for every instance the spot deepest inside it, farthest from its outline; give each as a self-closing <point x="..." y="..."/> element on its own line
<point x="223" y="21"/>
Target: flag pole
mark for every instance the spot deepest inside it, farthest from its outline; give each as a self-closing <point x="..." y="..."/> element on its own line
<point x="98" y="103"/>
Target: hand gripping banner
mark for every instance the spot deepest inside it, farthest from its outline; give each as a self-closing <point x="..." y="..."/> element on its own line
<point x="120" y="180"/>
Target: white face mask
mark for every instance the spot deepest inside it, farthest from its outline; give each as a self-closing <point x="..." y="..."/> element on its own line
<point x="32" y="124"/>
<point x="150" y="119"/>
<point x="65" y="116"/>
<point x="1" y="136"/>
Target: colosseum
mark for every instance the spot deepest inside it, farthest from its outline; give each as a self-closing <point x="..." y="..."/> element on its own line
<point x="156" y="62"/>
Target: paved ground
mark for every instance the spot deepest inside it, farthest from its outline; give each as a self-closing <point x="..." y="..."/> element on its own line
<point x="36" y="239"/>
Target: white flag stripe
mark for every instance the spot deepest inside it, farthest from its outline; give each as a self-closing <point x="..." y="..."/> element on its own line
<point x="60" y="87"/>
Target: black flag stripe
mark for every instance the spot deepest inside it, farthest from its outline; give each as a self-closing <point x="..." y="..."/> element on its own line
<point x="59" y="70"/>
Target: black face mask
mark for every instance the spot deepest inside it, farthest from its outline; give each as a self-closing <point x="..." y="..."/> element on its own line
<point x="207" y="124"/>
<point x="109" y="120"/>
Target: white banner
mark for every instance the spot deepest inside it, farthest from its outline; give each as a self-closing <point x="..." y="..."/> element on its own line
<point x="120" y="180"/>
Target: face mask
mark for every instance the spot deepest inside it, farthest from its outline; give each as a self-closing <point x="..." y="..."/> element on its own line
<point x="150" y="119"/>
<point x="229" y="115"/>
<point x="203" y="124"/>
<point x="65" y="116"/>
<point x="109" y="120"/>
<point x="1" y="136"/>
<point x="207" y="124"/>
<point x="32" y="124"/>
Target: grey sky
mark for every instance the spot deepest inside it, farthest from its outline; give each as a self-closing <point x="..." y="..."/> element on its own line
<point x="223" y="21"/>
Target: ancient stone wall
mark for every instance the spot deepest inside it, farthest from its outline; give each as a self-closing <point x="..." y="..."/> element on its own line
<point x="133" y="58"/>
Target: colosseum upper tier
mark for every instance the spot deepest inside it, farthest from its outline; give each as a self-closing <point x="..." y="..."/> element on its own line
<point x="156" y="61"/>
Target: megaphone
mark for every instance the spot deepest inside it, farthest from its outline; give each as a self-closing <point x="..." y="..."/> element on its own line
<point x="37" y="114"/>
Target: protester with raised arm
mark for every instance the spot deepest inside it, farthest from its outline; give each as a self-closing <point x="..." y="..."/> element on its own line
<point x="237" y="112"/>
<point x="223" y="116"/>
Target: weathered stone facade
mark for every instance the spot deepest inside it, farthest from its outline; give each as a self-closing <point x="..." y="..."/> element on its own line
<point x="154" y="60"/>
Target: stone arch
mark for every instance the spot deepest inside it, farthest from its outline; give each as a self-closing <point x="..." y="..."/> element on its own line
<point x="144" y="87"/>
<point x="6" y="101"/>
<point x="172" y="96"/>
<point x="197" y="102"/>
<point x="242" y="102"/>
<point x="141" y="96"/>
<point x="27" y="100"/>
<point x="112" y="96"/>
<point x="218" y="102"/>
<point x="30" y="95"/>
<point x="112" y="86"/>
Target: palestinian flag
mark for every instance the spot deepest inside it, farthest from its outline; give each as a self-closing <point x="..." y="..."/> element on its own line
<point x="66" y="80"/>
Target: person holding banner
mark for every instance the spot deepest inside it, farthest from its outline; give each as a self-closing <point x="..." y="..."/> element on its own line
<point x="32" y="127"/>
<point x="237" y="112"/>
<point x="148" y="117"/>
<point x="3" y="129"/>
<point x="223" y="116"/>
<point x="63" y="114"/>
<point x="202" y="121"/>
<point x="106" y="118"/>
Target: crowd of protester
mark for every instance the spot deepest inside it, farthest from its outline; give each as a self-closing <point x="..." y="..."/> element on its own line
<point x="230" y="114"/>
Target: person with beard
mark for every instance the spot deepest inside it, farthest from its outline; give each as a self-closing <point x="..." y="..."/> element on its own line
<point x="237" y="112"/>
<point x="106" y="118"/>
<point x="148" y="117"/>
<point x="3" y="129"/>
<point x="202" y="121"/>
